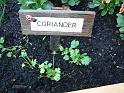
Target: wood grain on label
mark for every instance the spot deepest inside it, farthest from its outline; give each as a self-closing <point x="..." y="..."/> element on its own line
<point x="86" y="30"/>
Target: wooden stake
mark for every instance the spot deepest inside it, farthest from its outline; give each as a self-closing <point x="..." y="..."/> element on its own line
<point x="54" y="42"/>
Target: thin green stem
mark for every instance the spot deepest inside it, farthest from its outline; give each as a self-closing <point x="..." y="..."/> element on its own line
<point x="53" y="60"/>
<point x="28" y="59"/>
<point x="28" y="62"/>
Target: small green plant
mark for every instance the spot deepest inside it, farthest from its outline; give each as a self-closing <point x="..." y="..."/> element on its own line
<point x="106" y="6"/>
<point x="73" y="55"/>
<point x="70" y="2"/>
<point x="35" y="4"/>
<point x="8" y="51"/>
<point x="2" y="10"/>
<point x="46" y="69"/>
<point x="31" y="63"/>
<point x="120" y="24"/>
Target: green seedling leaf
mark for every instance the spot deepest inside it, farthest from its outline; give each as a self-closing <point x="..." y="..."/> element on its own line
<point x="54" y="53"/>
<point x="65" y="51"/>
<point x="14" y="48"/>
<point x="34" y="62"/>
<point x="57" y="77"/>
<point x="66" y="57"/>
<point x="23" y="65"/>
<point x="1" y="46"/>
<point x="84" y="54"/>
<point x="3" y="50"/>
<point x="42" y="68"/>
<point x="122" y="36"/>
<point x="23" y="53"/>
<point x="61" y="48"/>
<point x="1" y="40"/>
<point x="121" y="30"/>
<point x="50" y="65"/>
<point x="45" y="62"/>
<point x="120" y="20"/>
<point x="74" y="44"/>
<point x="9" y="54"/>
<point x="86" y="60"/>
<point x="120" y="23"/>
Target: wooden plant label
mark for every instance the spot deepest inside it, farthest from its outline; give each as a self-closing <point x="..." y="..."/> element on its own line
<point x="57" y="22"/>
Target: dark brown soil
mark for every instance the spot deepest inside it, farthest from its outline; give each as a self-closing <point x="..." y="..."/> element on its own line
<point x="105" y="48"/>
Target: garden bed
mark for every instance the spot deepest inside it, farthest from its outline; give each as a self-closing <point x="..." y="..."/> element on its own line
<point x="105" y="48"/>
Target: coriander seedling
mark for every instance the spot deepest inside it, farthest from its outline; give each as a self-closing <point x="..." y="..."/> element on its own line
<point x="8" y="51"/>
<point x="47" y="70"/>
<point x="31" y="63"/>
<point x="73" y="55"/>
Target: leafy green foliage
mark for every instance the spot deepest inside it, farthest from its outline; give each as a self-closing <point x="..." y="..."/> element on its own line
<point x="73" y="55"/>
<point x="47" y="70"/>
<point x="106" y="7"/>
<point x="120" y="24"/>
<point x="35" y="4"/>
<point x="70" y="2"/>
<point x="2" y="2"/>
<point x="31" y="63"/>
<point x="8" y="51"/>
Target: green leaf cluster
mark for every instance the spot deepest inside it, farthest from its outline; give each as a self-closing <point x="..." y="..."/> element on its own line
<point x="31" y="63"/>
<point x="35" y="4"/>
<point x="47" y="70"/>
<point x="73" y="54"/>
<point x="120" y="24"/>
<point x="70" y="2"/>
<point x="8" y="51"/>
<point x="2" y="2"/>
<point x="106" y="7"/>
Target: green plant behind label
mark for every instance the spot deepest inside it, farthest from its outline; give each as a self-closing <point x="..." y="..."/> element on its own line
<point x="70" y="2"/>
<point x="106" y="7"/>
<point x="35" y="4"/>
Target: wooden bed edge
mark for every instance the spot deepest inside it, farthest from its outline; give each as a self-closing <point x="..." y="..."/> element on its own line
<point x="115" y="88"/>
